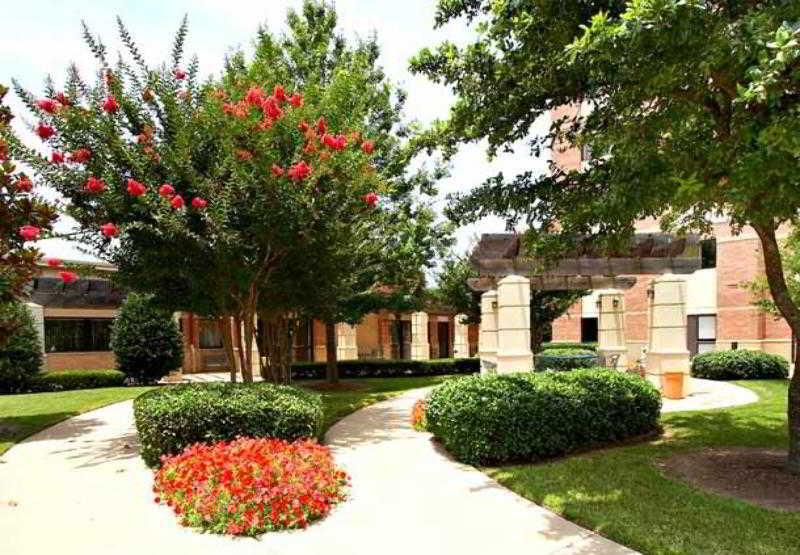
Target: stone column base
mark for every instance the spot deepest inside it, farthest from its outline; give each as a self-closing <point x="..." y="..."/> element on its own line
<point x="508" y="363"/>
<point x="609" y="352"/>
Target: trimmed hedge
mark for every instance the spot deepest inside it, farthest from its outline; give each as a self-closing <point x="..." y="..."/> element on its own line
<point x="171" y="418"/>
<point x="568" y="345"/>
<point x="566" y="358"/>
<point x="739" y="365"/>
<point x="525" y="417"/>
<point x="21" y="355"/>
<point x="67" y="380"/>
<point x="388" y="368"/>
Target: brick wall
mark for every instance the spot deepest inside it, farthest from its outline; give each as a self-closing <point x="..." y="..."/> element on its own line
<point x="96" y="360"/>
<point x="567" y="327"/>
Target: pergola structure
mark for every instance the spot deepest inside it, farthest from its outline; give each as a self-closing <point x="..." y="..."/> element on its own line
<point x="507" y="274"/>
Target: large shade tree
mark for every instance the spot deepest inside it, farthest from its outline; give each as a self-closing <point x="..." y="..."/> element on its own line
<point x="691" y="108"/>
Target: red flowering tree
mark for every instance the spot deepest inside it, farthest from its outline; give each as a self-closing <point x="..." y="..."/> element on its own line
<point x="24" y="218"/>
<point x="201" y="193"/>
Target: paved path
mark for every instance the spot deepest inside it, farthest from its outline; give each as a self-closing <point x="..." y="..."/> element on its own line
<point x="710" y="394"/>
<point x="80" y="488"/>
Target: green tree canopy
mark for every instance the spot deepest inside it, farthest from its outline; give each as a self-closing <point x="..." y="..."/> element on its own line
<point x="691" y="108"/>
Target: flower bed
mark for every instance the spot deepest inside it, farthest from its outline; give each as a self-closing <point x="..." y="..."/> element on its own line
<point x="250" y="486"/>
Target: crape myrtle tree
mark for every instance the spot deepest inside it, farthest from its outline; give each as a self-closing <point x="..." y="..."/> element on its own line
<point x="690" y="107"/>
<point x="24" y="218"/>
<point x="216" y="183"/>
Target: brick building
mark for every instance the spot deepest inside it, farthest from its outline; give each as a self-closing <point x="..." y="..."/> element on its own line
<point x="75" y="320"/>
<point x="720" y="313"/>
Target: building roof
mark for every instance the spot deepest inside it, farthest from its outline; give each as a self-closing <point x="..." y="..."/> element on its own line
<point x="51" y="292"/>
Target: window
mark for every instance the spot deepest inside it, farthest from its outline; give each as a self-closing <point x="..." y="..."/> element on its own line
<point x="588" y="330"/>
<point x="708" y="253"/>
<point x="701" y="334"/>
<point x="210" y="336"/>
<point x="69" y="335"/>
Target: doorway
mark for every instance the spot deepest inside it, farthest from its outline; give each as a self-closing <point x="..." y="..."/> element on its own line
<point x="443" y="335"/>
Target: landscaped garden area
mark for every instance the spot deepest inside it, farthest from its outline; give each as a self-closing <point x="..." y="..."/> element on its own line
<point x="300" y="342"/>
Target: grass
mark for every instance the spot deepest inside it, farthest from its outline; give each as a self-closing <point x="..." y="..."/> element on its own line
<point x="339" y="404"/>
<point x="622" y="494"/>
<point x="24" y="415"/>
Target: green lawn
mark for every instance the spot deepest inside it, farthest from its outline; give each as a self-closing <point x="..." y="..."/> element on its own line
<point x="341" y="403"/>
<point x="24" y="415"/>
<point x="622" y="494"/>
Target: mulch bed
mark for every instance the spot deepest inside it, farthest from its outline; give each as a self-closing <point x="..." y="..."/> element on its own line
<point x="757" y="476"/>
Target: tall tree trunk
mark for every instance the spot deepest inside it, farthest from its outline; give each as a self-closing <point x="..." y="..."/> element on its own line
<point x="277" y="364"/>
<point x="224" y="324"/>
<point x="773" y="265"/>
<point x="331" y="365"/>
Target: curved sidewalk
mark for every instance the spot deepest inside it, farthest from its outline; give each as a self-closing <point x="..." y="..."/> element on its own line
<point x="81" y="488"/>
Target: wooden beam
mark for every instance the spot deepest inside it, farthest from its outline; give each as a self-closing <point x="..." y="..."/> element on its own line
<point x="550" y="282"/>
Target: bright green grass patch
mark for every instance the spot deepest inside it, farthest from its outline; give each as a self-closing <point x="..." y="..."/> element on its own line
<point x="622" y="494"/>
<point x="24" y="415"/>
<point x="338" y="404"/>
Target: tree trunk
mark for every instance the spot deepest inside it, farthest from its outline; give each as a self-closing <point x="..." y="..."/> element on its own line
<point x="331" y="365"/>
<point x="277" y="363"/>
<point x="773" y="265"/>
<point x="224" y="324"/>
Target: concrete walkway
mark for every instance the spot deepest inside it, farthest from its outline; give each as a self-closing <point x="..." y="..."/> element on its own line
<point x="81" y="488"/>
<point x="710" y="394"/>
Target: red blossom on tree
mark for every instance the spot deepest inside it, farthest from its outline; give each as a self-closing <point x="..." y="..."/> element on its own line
<point x="135" y="188"/>
<point x="166" y="190"/>
<point x="296" y="100"/>
<point x="48" y="105"/>
<point x="177" y="202"/>
<point x="322" y="126"/>
<point x="299" y="171"/>
<point x="276" y="170"/>
<point x="57" y="157"/>
<point x="279" y="93"/>
<point x="109" y="230"/>
<point x="254" y="96"/>
<point x="95" y="185"/>
<point x="371" y="199"/>
<point x="68" y="277"/>
<point x="179" y="74"/>
<point x="199" y="203"/>
<point x="110" y="105"/>
<point x="54" y="262"/>
<point x="244" y="155"/>
<point x="45" y="131"/>
<point x="24" y="184"/>
<point x="63" y="99"/>
<point x="303" y="126"/>
<point x="271" y="108"/>
<point x="81" y="155"/>
<point x="29" y="232"/>
<point x="367" y="147"/>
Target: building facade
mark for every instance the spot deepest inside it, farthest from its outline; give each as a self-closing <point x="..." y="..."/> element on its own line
<point x="74" y="322"/>
<point x="719" y="309"/>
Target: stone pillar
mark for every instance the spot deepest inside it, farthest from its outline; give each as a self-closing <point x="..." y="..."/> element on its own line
<point x="420" y="348"/>
<point x="190" y="353"/>
<point x="611" y="327"/>
<point x="667" y="330"/>
<point x="460" y="337"/>
<point x="514" y="325"/>
<point x="487" y="333"/>
<point x="346" y="342"/>
<point x="37" y="313"/>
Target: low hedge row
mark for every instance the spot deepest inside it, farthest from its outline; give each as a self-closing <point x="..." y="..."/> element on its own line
<point x="739" y="365"/>
<point x="388" y="368"/>
<point x="524" y="417"/>
<point x="170" y="419"/>
<point x="66" y="380"/>
<point x="566" y="358"/>
<point x="568" y="345"/>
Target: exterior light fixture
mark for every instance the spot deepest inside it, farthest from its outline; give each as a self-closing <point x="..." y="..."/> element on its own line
<point x="615" y="302"/>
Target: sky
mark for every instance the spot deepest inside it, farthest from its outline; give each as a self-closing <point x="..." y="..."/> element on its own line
<point x="46" y="37"/>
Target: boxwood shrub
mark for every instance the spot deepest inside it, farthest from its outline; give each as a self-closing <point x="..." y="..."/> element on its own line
<point x="739" y="365"/>
<point x="525" y="417"/>
<point x="171" y="418"/>
<point x="21" y="353"/>
<point x="76" y="379"/>
<point x="388" y="368"/>
<point x="568" y="345"/>
<point x="566" y="358"/>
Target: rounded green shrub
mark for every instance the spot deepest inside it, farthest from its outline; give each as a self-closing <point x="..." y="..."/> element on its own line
<point x="524" y="417"/>
<point x="66" y="380"/>
<point x="145" y="340"/>
<point x="21" y="351"/>
<point x="566" y="358"/>
<point x="171" y="418"/>
<point x="739" y="365"/>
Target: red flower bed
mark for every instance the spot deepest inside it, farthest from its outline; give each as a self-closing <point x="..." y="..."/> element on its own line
<point x="249" y="486"/>
<point x="418" y="415"/>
